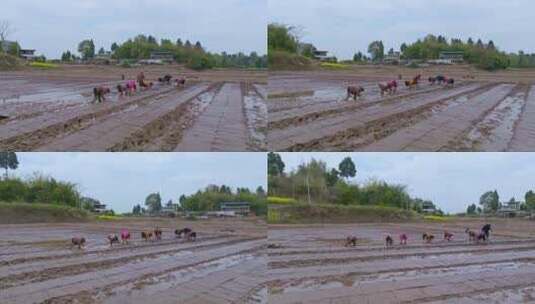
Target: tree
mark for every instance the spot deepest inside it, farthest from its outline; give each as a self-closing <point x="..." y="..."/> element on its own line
<point x="187" y="45"/>
<point x="101" y="51"/>
<point x="198" y="46"/>
<point x="403" y="47"/>
<point x="179" y="42"/>
<point x="376" y="50"/>
<point x="137" y="210"/>
<point x="332" y="177"/>
<point x="347" y="168"/>
<point x="87" y="49"/>
<point x="357" y="57"/>
<point x="66" y="56"/>
<point x="114" y="46"/>
<point x="154" y="202"/>
<point x="5" y="30"/>
<point x="471" y="209"/>
<point x="275" y="164"/>
<point x="260" y="191"/>
<point x="8" y="160"/>
<point x="14" y="49"/>
<point x="470" y="41"/>
<point x="491" y="46"/>
<point x="490" y="201"/>
<point x="530" y="200"/>
<point x="480" y="44"/>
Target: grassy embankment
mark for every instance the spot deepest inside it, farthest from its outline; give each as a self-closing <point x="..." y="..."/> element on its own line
<point x="290" y="211"/>
<point x="23" y="213"/>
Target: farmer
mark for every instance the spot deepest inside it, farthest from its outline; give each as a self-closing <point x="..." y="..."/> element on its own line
<point x="485" y="230"/>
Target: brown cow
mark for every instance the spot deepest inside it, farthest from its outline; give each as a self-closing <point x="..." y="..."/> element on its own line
<point x="354" y="91"/>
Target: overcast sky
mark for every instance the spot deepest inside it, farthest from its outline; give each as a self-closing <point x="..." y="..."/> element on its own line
<point x="450" y="180"/>
<point x="347" y="26"/>
<point x="124" y="179"/>
<point x="54" y="26"/>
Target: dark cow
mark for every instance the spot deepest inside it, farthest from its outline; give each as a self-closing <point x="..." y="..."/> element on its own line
<point x="354" y="91"/>
<point x="448" y="236"/>
<point x="99" y="93"/>
<point x="428" y="238"/>
<point x="113" y="238"/>
<point x="146" y="235"/>
<point x="180" y="82"/>
<point x="351" y="241"/>
<point x="76" y="241"/>
<point x="389" y="241"/>
<point x="165" y="79"/>
<point x="182" y="232"/>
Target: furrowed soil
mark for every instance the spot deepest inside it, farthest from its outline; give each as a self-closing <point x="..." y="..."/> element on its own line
<point x="483" y="111"/>
<point x="54" y="110"/>
<point x="310" y="264"/>
<point x="226" y="264"/>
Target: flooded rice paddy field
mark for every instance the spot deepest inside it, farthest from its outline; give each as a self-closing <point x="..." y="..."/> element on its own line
<point x="226" y="264"/>
<point x="55" y="111"/>
<point x="482" y="112"/>
<point x="310" y="264"/>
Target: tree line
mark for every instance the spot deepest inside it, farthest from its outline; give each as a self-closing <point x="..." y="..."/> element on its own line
<point x="207" y="199"/>
<point x="489" y="203"/>
<point x="193" y="55"/>
<point x="314" y="182"/>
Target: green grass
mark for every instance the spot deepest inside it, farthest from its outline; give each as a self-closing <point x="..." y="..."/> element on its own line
<point x="43" y="65"/>
<point x="334" y="66"/>
<point x="109" y="217"/>
<point x="274" y="200"/>
<point x="330" y="213"/>
<point x="436" y="218"/>
<point x="18" y="213"/>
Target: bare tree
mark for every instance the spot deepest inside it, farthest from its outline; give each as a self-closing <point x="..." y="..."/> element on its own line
<point x="5" y="29"/>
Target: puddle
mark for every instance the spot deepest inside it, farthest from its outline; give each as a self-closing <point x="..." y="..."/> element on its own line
<point x="259" y="296"/>
<point x="166" y="281"/>
<point x="355" y="280"/>
<point x="523" y="295"/>
<point x="497" y="129"/>
<point x="256" y="113"/>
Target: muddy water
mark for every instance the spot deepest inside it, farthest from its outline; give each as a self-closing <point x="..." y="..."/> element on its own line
<point x="356" y="280"/>
<point x="154" y="285"/>
<point x="256" y="116"/>
<point x="497" y="129"/>
<point x="511" y="296"/>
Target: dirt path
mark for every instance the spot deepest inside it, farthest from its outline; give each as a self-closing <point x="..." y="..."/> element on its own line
<point x="222" y="126"/>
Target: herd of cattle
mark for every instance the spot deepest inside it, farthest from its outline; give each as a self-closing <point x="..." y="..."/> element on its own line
<point x="473" y="236"/>
<point x="130" y="87"/>
<point x="390" y="87"/>
<point x="149" y="235"/>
